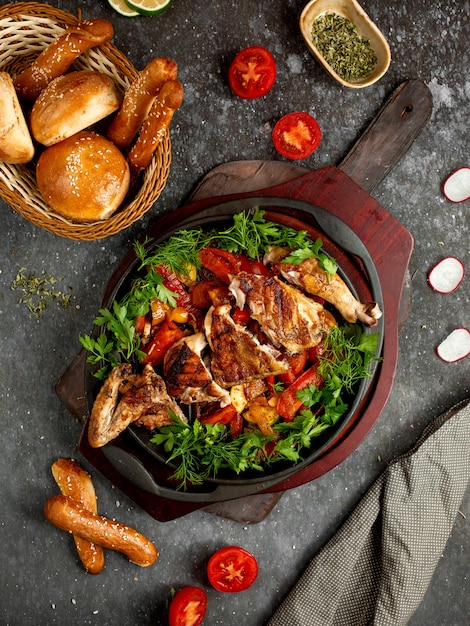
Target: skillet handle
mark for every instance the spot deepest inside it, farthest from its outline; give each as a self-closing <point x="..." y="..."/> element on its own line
<point x="389" y="135"/>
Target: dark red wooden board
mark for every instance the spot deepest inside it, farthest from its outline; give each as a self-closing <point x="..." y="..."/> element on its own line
<point x="388" y="242"/>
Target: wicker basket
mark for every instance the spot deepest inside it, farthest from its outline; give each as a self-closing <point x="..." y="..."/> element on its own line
<point x="25" y="29"/>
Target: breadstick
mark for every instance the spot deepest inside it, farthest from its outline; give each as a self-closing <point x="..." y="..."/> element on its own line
<point x="66" y="514"/>
<point x="155" y="125"/>
<point x="56" y="59"/>
<point x="138" y="100"/>
<point x="75" y="482"/>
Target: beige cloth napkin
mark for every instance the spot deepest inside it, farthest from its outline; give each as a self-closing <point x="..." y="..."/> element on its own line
<point x="376" y="569"/>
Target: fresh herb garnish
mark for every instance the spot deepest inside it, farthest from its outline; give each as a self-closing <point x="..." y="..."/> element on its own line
<point x="202" y="450"/>
<point x="326" y="263"/>
<point x="249" y="234"/>
<point x="337" y="38"/>
<point x="145" y="289"/>
<point x="121" y="340"/>
<point x="39" y="291"/>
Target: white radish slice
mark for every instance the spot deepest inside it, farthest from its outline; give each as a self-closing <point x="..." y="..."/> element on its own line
<point x="446" y="276"/>
<point x="456" y="188"/>
<point x="455" y="346"/>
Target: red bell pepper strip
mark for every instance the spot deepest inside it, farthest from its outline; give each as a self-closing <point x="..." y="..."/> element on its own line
<point x="236" y="425"/>
<point x="173" y="283"/>
<point x="288" y="403"/>
<point x="167" y="335"/>
<point x="220" y="416"/>
<point x="221" y="263"/>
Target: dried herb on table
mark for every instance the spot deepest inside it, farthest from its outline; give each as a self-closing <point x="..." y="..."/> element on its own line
<point x="350" y="55"/>
<point x="39" y="291"/>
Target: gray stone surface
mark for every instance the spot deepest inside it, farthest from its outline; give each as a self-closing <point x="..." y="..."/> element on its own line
<point x="41" y="579"/>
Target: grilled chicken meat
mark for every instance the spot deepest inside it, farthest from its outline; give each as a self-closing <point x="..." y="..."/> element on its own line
<point x="311" y="277"/>
<point x="186" y="375"/>
<point x="287" y="316"/>
<point x="237" y="355"/>
<point x="125" y="398"/>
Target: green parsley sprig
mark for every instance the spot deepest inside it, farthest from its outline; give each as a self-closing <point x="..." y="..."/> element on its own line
<point x="121" y="342"/>
<point x="327" y="263"/>
<point x="202" y="450"/>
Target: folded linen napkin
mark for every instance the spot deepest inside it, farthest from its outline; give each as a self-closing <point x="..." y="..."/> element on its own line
<point x="376" y="569"/>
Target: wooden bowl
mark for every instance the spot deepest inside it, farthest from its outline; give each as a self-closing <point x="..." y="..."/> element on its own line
<point x="351" y="10"/>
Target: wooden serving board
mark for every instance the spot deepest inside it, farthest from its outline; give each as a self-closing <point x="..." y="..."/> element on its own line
<point x="345" y="192"/>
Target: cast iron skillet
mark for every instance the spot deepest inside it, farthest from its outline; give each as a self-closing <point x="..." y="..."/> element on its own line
<point x="357" y="270"/>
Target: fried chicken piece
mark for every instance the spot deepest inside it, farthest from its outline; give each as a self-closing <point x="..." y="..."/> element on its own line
<point x="127" y="398"/>
<point x="101" y="418"/>
<point x="237" y="355"/>
<point x="311" y="277"/>
<point x="287" y="316"/>
<point x="187" y="376"/>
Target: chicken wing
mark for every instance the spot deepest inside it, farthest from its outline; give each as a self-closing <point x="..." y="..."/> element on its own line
<point x="126" y="398"/>
<point x="311" y="277"/>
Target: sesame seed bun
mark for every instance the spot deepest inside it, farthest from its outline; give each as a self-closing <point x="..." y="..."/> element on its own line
<point x="83" y="178"/>
<point x="71" y="103"/>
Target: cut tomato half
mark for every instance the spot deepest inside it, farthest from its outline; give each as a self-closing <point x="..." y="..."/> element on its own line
<point x="188" y="607"/>
<point x="296" y="135"/>
<point x="232" y="569"/>
<point x="252" y="72"/>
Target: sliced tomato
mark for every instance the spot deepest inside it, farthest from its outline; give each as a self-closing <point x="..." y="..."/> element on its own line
<point x="167" y="335"/>
<point x="221" y="263"/>
<point x="296" y="135"/>
<point x="232" y="569"/>
<point x="188" y="607"/>
<point x="241" y="316"/>
<point x="200" y="293"/>
<point x="252" y="72"/>
<point x="288" y="403"/>
<point x="316" y="352"/>
<point x="297" y="363"/>
<point x="254" y="266"/>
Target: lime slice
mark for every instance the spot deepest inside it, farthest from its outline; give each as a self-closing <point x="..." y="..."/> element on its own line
<point x="123" y="8"/>
<point x="149" y="7"/>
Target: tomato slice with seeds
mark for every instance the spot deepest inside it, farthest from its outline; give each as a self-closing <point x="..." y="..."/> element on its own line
<point x="296" y="135"/>
<point x="232" y="569"/>
<point x="188" y="607"/>
<point x="252" y="73"/>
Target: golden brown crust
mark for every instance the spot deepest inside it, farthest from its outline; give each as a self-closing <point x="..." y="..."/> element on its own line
<point x="66" y="514"/>
<point x="16" y="145"/>
<point x="71" y="103"/>
<point x="169" y="99"/>
<point x="138" y="100"/>
<point x="83" y="178"/>
<point x="57" y="58"/>
<point x="76" y="483"/>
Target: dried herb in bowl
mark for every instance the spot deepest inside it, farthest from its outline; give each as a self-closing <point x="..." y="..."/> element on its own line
<point x="338" y="40"/>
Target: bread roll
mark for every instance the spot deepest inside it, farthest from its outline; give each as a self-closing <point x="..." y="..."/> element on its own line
<point x="16" y="145"/>
<point x="56" y="59"/>
<point x="71" y="103"/>
<point x="83" y="178"/>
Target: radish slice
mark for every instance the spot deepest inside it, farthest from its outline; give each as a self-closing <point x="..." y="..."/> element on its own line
<point x="456" y="188"/>
<point x="455" y="346"/>
<point x="446" y="276"/>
